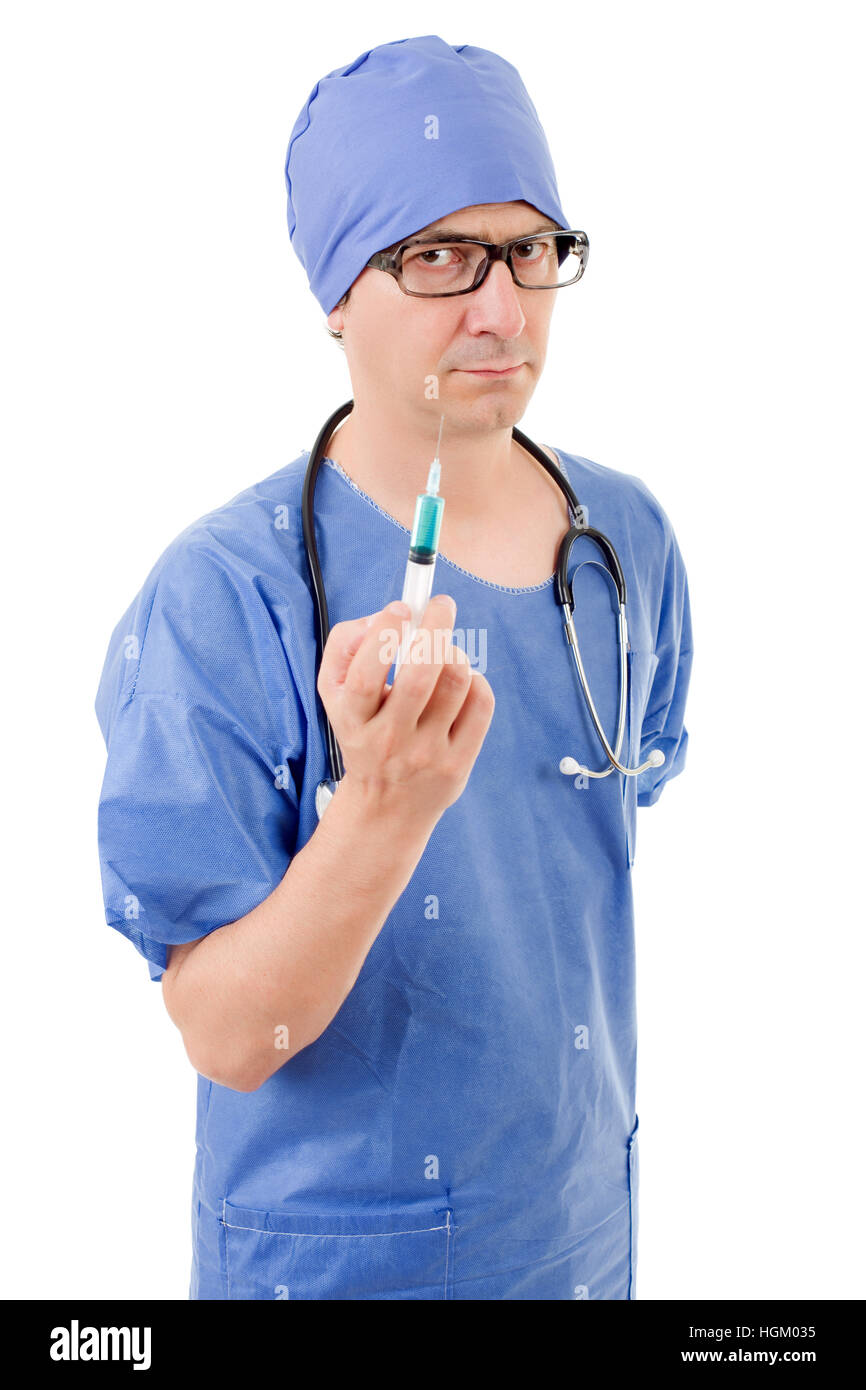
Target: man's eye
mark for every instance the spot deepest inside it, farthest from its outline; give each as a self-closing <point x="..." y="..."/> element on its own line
<point x="531" y="250"/>
<point x="435" y="256"/>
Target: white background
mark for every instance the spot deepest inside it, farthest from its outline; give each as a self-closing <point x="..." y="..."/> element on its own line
<point x="161" y="351"/>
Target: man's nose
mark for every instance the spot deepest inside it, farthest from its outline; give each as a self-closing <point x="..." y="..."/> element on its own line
<point x="495" y="307"/>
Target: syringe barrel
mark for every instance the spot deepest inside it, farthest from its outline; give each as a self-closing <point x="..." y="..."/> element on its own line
<point x="426" y="526"/>
<point x="420" y="566"/>
<point x="417" y="588"/>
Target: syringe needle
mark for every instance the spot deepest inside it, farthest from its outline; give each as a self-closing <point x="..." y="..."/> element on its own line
<point x="435" y="472"/>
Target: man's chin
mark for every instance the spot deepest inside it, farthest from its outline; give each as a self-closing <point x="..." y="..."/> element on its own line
<point x="484" y="411"/>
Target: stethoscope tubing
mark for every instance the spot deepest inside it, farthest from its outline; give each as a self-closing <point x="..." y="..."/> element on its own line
<point x="564" y="596"/>
<point x="320" y="600"/>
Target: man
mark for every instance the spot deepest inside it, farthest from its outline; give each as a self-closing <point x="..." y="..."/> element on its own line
<point x="414" y="1020"/>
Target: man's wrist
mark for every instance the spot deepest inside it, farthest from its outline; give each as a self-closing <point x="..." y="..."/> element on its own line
<point x="376" y="802"/>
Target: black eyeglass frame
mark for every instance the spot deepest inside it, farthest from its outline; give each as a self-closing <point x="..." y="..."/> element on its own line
<point x="392" y="261"/>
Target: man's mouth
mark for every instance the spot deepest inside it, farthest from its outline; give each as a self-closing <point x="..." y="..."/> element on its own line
<point x="491" y="372"/>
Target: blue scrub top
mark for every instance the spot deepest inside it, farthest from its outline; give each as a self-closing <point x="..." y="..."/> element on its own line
<point x="465" y="1128"/>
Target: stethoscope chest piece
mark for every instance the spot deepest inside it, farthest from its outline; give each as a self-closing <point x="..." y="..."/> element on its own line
<point x="324" y="791"/>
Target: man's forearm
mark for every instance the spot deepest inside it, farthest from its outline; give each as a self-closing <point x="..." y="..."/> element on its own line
<point x="253" y="993"/>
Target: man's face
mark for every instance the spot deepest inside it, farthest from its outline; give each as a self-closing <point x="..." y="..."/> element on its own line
<point x="396" y="343"/>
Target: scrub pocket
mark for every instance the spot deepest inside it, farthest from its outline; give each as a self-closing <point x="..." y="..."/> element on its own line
<point x="641" y="670"/>
<point x="633" y="1173"/>
<point x="344" y="1256"/>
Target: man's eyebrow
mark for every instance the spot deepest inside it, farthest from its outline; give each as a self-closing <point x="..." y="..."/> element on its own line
<point x="449" y="234"/>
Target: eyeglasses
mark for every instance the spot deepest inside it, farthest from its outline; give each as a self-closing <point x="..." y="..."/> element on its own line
<point x="431" y="269"/>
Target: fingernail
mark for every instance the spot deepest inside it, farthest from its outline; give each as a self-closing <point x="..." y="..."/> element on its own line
<point x="399" y="609"/>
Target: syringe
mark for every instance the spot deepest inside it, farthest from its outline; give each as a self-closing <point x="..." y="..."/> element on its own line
<point x="423" y="548"/>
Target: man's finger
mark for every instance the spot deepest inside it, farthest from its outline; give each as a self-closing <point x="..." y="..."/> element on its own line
<point x="347" y="638"/>
<point x="363" y="676"/>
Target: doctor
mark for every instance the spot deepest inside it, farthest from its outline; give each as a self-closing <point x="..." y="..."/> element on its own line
<point x="413" y="1021"/>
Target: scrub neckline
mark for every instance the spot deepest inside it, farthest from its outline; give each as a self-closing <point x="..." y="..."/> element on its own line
<point x="488" y="583"/>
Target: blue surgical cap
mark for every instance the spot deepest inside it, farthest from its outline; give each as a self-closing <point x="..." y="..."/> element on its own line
<point x="406" y="134"/>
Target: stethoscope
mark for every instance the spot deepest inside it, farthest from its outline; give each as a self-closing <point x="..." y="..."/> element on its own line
<point x="564" y="597"/>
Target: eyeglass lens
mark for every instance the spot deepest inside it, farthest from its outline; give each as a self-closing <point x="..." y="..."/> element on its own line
<point x="445" y="267"/>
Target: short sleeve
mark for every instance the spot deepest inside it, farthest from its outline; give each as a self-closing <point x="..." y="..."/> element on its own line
<point x="664" y="722"/>
<point x="198" y="812"/>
